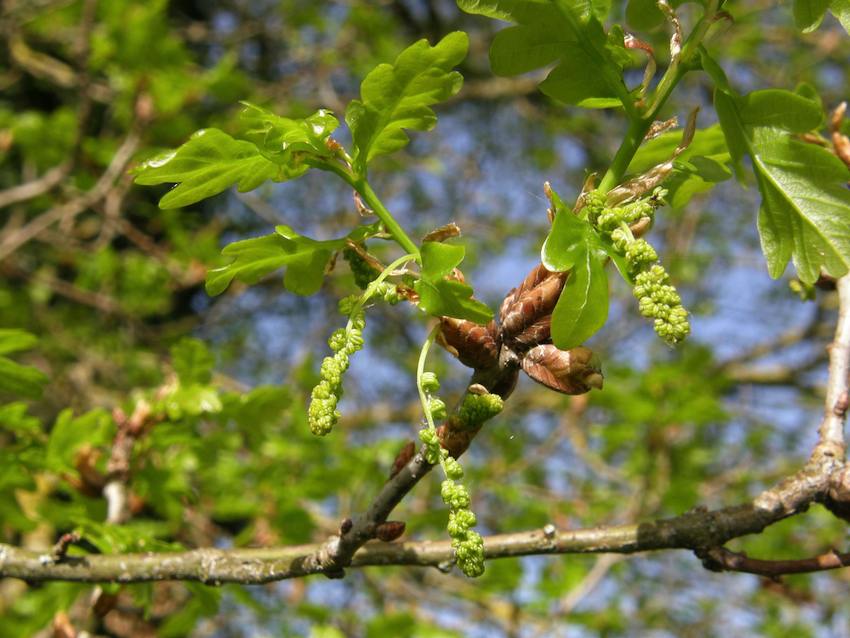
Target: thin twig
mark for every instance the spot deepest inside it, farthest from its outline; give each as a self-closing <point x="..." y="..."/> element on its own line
<point x="722" y="559"/>
<point x="35" y="188"/>
<point x="74" y="207"/>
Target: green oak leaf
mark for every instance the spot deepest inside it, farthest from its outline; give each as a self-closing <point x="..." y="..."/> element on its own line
<point x="582" y="308"/>
<point x="439" y="259"/>
<point x="808" y="14"/>
<point x="566" y="242"/>
<point x="13" y="340"/>
<point x="212" y="161"/>
<point x="21" y="380"/>
<point x="17" y="379"/>
<point x="281" y="139"/>
<point x="192" y="361"/>
<point x="696" y="170"/>
<point x="209" y="163"/>
<point x="588" y="65"/>
<point x="841" y="10"/>
<point x="305" y="259"/>
<point x="445" y="297"/>
<point x="449" y="298"/>
<point x="398" y="96"/>
<point x="805" y="210"/>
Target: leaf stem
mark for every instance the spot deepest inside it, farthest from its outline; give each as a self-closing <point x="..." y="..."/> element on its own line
<point x="364" y="189"/>
<point x="639" y="126"/>
<point x="423" y="396"/>
<point x="373" y="286"/>
<point x="393" y="227"/>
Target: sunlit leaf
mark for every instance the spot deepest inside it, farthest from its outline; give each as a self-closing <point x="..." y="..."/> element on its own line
<point x="256" y="258"/>
<point x="805" y="209"/>
<point x="398" y="96"/>
<point x="565" y="33"/>
<point x="582" y="308"/>
<point x="445" y="297"/>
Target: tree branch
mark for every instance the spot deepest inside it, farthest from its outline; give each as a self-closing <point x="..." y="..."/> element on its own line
<point x="831" y="431"/>
<point x="694" y="530"/>
<point x="721" y="559"/>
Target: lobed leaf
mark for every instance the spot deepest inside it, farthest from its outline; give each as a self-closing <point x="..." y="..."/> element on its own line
<point x="209" y="163"/>
<point x="213" y="161"/>
<point x="442" y="297"/>
<point x="589" y="65"/>
<point x="805" y="210"/>
<point x="281" y="139"/>
<point x="395" y="97"/>
<point x="305" y="259"/>
<point x="449" y="298"/>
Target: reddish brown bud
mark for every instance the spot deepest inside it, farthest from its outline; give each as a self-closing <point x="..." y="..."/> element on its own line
<point x="389" y="531"/>
<point x="443" y="233"/>
<point x="529" y="307"/>
<point x="455" y="439"/>
<point x="62" y="627"/>
<point x="573" y="371"/>
<point x="403" y="457"/>
<point x="90" y="481"/>
<point x="476" y="346"/>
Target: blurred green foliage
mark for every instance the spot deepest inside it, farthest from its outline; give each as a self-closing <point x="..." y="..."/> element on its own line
<point x="104" y="308"/>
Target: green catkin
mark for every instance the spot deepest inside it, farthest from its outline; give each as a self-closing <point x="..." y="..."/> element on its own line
<point x="363" y="273"/>
<point x="478" y="408"/>
<point x="322" y="413"/>
<point x="467" y="544"/>
<point x="657" y="298"/>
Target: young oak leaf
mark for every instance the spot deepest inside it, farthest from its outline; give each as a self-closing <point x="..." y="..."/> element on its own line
<point x="567" y="33"/>
<point x="582" y="308"/>
<point x="305" y="259"/>
<point x="282" y="139"/>
<point x="394" y="97"/>
<point x="212" y="161"/>
<point x="443" y="297"/>
<point x="209" y="163"/>
<point x="17" y="379"/>
<point x="805" y="210"/>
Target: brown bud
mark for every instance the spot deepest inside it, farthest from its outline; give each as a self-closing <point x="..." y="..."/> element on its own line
<point x="455" y="439"/>
<point x="62" y="627"/>
<point x="105" y="603"/>
<point x="90" y="481"/>
<point x="345" y="526"/>
<point x="573" y="371"/>
<point x="529" y="307"/>
<point x="641" y="227"/>
<point x="389" y="531"/>
<point x="475" y="345"/>
<point x="443" y="233"/>
<point x="403" y="457"/>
